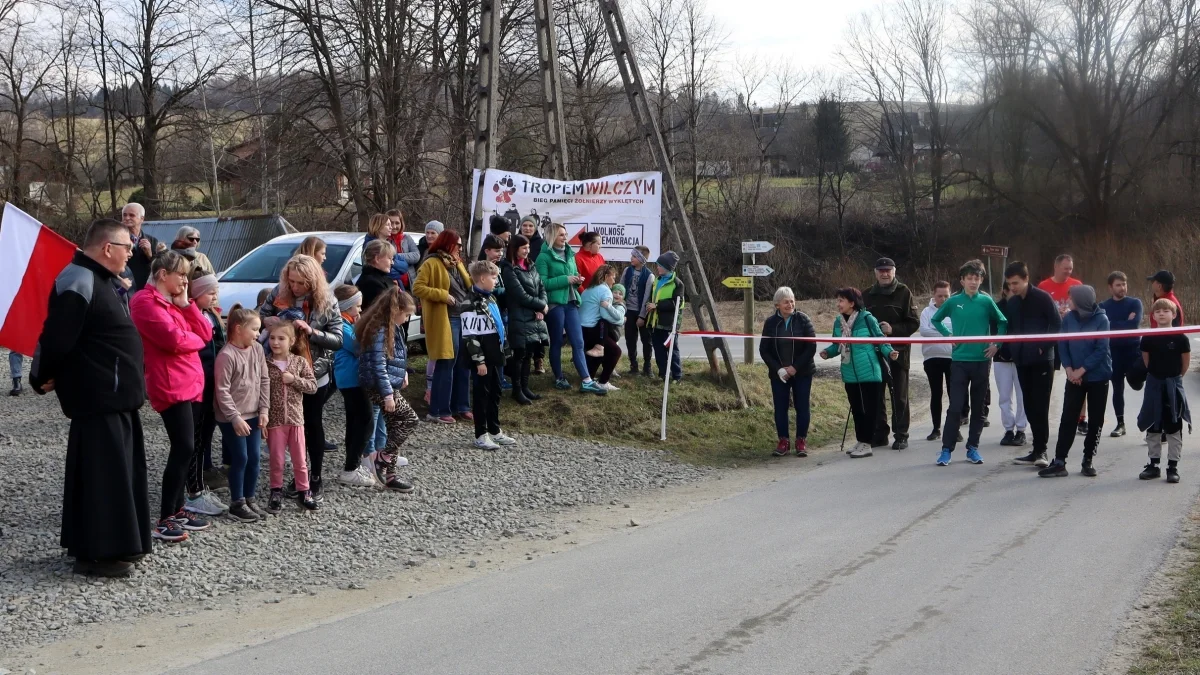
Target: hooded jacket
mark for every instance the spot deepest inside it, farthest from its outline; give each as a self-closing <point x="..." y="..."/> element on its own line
<point x="172" y="338"/>
<point x="89" y="345"/>
<point x="939" y="350"/>
<point x="1091" y="355"/>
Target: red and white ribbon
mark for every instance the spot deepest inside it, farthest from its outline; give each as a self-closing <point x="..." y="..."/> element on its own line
<point x="986" y="339"/>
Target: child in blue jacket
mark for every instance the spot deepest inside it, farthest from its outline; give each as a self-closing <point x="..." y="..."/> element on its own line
<point x="383" y="372"/>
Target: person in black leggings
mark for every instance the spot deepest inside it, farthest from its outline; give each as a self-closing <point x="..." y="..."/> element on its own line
<point x="525" y="296"/>
<point x="303" y="297"/>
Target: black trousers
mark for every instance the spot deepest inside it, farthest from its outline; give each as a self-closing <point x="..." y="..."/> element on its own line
<point x="601" y="368"/>
<point x="206" y="426"/>
<point x="183" y="456"/>
<point x="864" y="399"/>
<point x="632" y="335"/>
<point x="106" y="503"/>
<point x="485" y="403"/>
<point x="1037" y="385"/>
<point x="1096" y="394"/>
<point x="937" y="371"/>
<point x="968" y="385"/>
<point x="898" y="400"/>
<point x="360" y="424"/>
<point x="314" y="429"/>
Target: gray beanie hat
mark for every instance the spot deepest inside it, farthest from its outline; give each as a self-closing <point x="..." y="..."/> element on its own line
<point x="668" y="260"/>
<point x="1084" y="298"/>
<point x="435" y="225"/>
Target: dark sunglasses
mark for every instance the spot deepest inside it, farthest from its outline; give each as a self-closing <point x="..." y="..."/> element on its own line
<point x="195" y="239"/>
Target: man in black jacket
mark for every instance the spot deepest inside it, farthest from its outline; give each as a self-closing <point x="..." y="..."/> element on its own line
<point x="790" y="367"/>
<point x="90" y="353"/>
<point x="892" y="304"/>
<point x="145" y="247"/>
<point x="1031" y="311"/>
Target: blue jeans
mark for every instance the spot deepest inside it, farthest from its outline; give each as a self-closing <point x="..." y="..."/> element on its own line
<point x="378" y="438"/>
<point x="560" y="318"/>
<point x="783" y="394"/>
<point x="243" y="458"/>
<point x="451" y="383"/>
<point x="14" y="365"/>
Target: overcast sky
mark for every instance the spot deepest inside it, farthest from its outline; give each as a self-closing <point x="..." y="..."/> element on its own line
<point x="808" y="32"/>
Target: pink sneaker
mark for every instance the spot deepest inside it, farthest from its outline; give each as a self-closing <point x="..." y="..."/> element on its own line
<point x="468" y="416"/>
<point x="440" y="420"/>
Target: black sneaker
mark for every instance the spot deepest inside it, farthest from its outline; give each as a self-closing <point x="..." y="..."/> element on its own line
<point x="1150" y="472"/>
<point x="1057" y="469"/>
<point x="290" y="491"/>
<point x="880" y="443"/>
<point x="190" y="522"/>
<point x="1082" y="429"/>
<point x="1027" y="459"/>
<point x="1020" y="439"/>
<point x="275" y="501"/>
<point x="1087" y="469"/>
<point x="1172" y="475"/>
<point x="330" y="445"/>
<point x="1042" y="460"/>
<point x="169" y="531"/>
<point x="987" y="422"/>
<point x="308" y="501"/>
<point x="1009" y="438"/>
<point x="394" y="484"/>
<point x="935" y="435"/>
<point x="1119" y="431"/>
<point x="318" y="494"/>
<point x="900" y="444"/>
<point x="242" y="513"/>
<point x="16" y="389"/>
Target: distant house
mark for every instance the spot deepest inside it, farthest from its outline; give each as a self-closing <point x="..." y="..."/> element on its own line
<point x="225" y="239"/>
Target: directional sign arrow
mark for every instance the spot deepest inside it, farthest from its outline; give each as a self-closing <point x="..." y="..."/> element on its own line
<point x="737" y="282"/>
<point x="756" y="246"/>
<point x="756" y="270"/>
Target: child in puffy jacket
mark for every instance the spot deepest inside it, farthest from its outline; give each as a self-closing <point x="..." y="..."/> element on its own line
<point x="359" y="469"/>
<point x="382" y="373"/>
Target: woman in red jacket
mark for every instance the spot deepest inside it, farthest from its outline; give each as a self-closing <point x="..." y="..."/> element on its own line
<point x="588" y="259"/>
<point x="173" y="332"/>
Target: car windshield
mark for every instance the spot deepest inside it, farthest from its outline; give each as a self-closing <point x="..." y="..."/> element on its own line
<point x="265" y="263"/>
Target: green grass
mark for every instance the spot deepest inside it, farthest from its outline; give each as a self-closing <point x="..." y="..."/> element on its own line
<point x="705" y="424"/>
<point x="1174" y="648"/>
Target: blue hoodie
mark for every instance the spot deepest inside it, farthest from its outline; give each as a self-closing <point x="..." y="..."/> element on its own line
<point x="345" y="360"/>
<point x="1092" y="355"/>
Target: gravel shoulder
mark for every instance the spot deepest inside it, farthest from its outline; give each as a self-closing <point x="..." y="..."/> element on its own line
<point x="361" y="539"/>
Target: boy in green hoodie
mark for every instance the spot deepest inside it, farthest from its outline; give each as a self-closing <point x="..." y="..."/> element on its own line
<point x="971" y="313"/>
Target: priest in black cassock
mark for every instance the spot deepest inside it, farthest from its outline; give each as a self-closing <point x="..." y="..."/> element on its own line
<point x="90" y="354"/>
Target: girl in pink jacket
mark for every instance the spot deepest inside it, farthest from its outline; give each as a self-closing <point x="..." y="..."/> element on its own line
<point x="173" y="332"/>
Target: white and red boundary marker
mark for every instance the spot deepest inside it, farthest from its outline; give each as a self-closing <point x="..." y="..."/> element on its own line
<point x="919" y="340"/>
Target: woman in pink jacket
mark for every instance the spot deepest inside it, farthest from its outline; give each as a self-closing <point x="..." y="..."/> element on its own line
<point x="173" y="332"/>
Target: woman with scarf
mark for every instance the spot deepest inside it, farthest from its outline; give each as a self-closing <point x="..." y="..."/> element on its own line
<point x="525" y="296"/>
<point x="187" y="244"/>
<point x="862" y="371"/>
<point x="303" y="298"/>
<point x="1088" y="366"/>
<point x="442" y="284"/>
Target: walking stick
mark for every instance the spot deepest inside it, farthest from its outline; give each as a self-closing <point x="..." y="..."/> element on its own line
<point x="845" y="429"/>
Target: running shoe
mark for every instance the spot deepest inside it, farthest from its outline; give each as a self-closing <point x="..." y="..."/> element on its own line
<point x="394" y="484"/>
<point x="592" y="387"/>
<point x="609" y="386"/>
<point x="944" y="458"/>
<point x="973" y="456"/>
<point x="275" y="502"/>
<point x="192" y="522"/>
<point x="356" y="478"/>
<point x="1057" y="469"/>
<point x="562" y="384"/>
<point x="169" y="531"/>
<point x="485" y="442"/>
<point x="308" y="501"/>
<point x="502" y="439"/>
<point x="242" y="513"/>
<point x="206" y="502"/>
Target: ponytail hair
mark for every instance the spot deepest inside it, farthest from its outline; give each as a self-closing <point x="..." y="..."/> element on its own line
<point x="240" y="316"/>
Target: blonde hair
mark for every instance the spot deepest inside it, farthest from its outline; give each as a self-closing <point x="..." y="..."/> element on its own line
<point x="1163" y="303"/>
<point x="287" y="327"/>
<point x="241" y="316"/>
<point x="310" y="246"/>
<point x="307" y="269"/>
<point x="378" y="224"/>
<point x="376" y="248"/>
<point x="171" y="262"/>
<point x="482" y="267"/>
<point x="378" y="317"/>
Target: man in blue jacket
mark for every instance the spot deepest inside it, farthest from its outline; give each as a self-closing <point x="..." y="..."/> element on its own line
<point x="1124" y="313"/>
<point x="1032" y="311"/>
<point x="1088" y="366"/>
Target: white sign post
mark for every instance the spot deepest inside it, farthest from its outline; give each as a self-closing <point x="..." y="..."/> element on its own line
<point x="757" y="246"/>
<point x="756" y="271"/>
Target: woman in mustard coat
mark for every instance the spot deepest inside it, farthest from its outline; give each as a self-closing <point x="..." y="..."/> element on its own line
<point x="442" y="283"/>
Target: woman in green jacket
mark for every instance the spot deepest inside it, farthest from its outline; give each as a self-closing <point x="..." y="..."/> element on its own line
<point x="862" y="372"/>
<point x="556" y="267"/>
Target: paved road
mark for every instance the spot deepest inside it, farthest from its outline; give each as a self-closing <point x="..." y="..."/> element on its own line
<point x="887" y="565"/>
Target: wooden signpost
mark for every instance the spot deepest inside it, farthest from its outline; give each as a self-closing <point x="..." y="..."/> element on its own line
<point x="750" y="270"/>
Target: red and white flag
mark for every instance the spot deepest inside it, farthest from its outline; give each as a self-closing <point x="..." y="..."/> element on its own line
<point x="32" y="256"/>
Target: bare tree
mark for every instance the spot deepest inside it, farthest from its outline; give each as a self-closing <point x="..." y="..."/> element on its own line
<point x="25" y="64"/>
<point x="702" y="44"/>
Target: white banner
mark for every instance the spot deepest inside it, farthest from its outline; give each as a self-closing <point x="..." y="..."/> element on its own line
<point x="625" y="209"/>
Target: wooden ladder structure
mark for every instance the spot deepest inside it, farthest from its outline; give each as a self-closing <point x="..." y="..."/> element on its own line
<point x="691" y="267"/>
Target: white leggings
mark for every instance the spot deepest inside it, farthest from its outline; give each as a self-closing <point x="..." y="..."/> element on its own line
<point x="1006" y="383"/>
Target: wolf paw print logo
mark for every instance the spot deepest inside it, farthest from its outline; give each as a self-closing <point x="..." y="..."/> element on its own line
<point x="504" y="189"/>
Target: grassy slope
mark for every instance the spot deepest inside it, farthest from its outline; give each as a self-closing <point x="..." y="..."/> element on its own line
<point x="704" y="423"/>
<point x="1174" y="649"/>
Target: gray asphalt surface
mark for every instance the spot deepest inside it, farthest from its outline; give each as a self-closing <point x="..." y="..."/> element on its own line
<point x="888" y="565"/>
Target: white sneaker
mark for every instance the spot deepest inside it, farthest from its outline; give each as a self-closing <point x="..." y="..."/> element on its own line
<point x="205" y="503"/>
<point x="356" y="478"/>
<point x="609" y="386"/>
<point x="862" y="450"/>
<point x="504" y="439"/>
<point x="485" y="442"/>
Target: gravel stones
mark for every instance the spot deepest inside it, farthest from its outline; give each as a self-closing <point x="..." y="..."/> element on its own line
<point x="462" y="496"/>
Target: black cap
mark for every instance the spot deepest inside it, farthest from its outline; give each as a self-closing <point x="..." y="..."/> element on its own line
<point x="885" y="263"/>
<point x="1162" y="277"/>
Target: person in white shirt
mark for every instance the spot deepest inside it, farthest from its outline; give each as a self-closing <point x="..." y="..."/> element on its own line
<point x="937" y="357"/>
